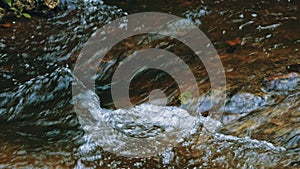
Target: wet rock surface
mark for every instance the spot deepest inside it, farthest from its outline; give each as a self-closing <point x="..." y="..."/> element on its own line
<point x="24" y="4"/>
<point x="282" y="82"/>
<point x="17" y="7"/>
<point x="244" y="103"/>
<point x="278" y="123"/>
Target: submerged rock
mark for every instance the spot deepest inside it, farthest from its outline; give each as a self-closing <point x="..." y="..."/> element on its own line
<point x="281" y="82"/>
<point x="278" y="124"/>
<point x="244" y="103"/>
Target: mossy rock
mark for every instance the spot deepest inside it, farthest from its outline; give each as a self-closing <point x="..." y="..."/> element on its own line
<point x="30" y="5"/>
<point x="2" y="13"/>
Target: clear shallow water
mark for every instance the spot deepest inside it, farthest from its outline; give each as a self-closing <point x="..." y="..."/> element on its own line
<point x="39" y="127"/>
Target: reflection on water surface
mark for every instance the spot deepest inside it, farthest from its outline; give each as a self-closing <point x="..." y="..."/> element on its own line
<point x="39" y="127"/>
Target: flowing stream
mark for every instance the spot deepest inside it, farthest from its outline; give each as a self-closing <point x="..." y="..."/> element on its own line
<point x="258" y="126"/>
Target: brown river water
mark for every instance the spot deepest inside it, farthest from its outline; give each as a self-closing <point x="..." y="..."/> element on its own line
<point x="260" y="122"/>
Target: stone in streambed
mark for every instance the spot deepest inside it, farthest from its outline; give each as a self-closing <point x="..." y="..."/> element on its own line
<point x="244" y="103"/>
<point x="281" y="82"/>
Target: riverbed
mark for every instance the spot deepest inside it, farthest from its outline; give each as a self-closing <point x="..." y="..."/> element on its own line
<point x="258" y="125"/>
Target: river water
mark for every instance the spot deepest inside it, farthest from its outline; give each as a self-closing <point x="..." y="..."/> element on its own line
<point x="258" y="126"/>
